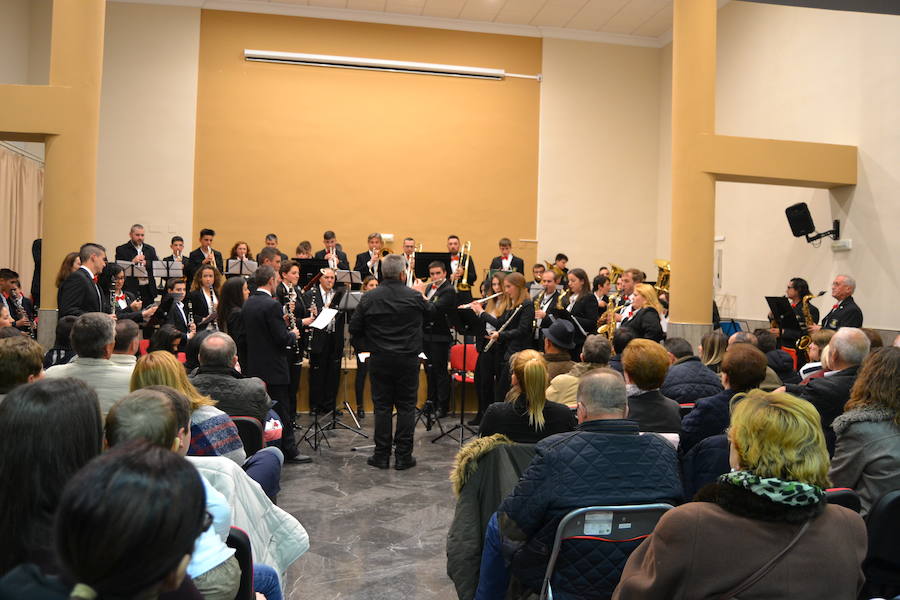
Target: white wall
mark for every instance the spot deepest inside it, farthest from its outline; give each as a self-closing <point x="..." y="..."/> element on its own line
<point x="15" y="17"/>
<point x="824" y="76"/>
<point x="598" y="154"/>
<point x="145" y="167"/>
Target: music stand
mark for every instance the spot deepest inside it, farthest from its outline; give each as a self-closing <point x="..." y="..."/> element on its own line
<point x="466" y="323"/>
<point x="168" y="269"/>
<point x="309" y="267"/>
<point x="347" y="277"/>
<point x="423" y="259"/>
<point x="133" y="270"/>
<point x="241" y="266"/>
<point x="783" y="313"/>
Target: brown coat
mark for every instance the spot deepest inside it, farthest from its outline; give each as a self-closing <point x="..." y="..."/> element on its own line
<point x="558" y="364"/>
<point x="701" y="551"/>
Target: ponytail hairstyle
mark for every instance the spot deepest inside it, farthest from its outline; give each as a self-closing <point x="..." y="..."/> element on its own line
<point x="530" y="369"/>
<point x="127" y="520"/>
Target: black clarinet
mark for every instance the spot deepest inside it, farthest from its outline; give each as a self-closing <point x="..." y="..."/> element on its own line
<point x="294" y="348"/>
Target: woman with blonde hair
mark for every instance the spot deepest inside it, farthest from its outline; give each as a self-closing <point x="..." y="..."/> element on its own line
<point x="646" y="320"/>
<point x="712" y="350"/>
<point x="516" y="317"/>
<point x="527" y="416"/>
<point x="792" y="544"/>
<point x="206" y="288"/>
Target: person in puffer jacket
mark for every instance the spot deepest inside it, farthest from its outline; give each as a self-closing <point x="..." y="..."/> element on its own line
<point x="779" y="361"/>
<point x="688" y="379"/>
<point x="604" y="461"/>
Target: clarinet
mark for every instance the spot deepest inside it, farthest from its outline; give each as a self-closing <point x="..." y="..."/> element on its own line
<point x="214" y="307"/>
<point x="313" y="312"/>
<point x="190" y="312"/>
<point x="20" y="309"/>
<point x="292" y="318"/>
<point x="112" y="297"/>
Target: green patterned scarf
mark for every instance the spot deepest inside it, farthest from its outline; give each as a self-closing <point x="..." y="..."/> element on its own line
<point x="789" y="493"/>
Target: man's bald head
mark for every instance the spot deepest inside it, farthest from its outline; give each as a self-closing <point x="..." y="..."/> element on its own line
<point x="743" y="337"/>
<point x="218" y="350"/>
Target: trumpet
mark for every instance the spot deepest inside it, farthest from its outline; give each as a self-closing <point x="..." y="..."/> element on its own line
<point x="463" y="284"/>
<point x="479" y="300"/>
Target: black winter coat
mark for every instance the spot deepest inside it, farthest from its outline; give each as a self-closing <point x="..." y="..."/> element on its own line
<point x="688" y="380"/>
<point x="709" y="417"/>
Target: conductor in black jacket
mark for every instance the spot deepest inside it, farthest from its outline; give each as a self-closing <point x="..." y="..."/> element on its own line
<point x="267" y="339"/>
<point x="203" y="255"/>
<point x="137" y="252"/>
<point x="390" y="317"/>
<point x="336" y="258"/>
<point x="845" y="313"/>
<point x="79" y="292"/>
<point x="369" y="262"/>
<point x="437" y="337"/>
<point x="506" y="261"/>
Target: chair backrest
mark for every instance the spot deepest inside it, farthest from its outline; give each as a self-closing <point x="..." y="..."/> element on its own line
<point x="456" y="357"/>
<point x="243" y="553"/>
<point x="685" y="408"/>
<point x="844" y="497"/>
<point x="251" y="432"/>
<point x="882" y="564"/>
<point x="143" y="346"/>
<point x="623" y="528"/>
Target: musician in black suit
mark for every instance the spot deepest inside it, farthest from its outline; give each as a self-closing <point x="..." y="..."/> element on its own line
<point x="326" y="346"/>
<point x="79" y="292"/>
<point x="336" y="258"/>
<point x="24" y="318"/>
<point x="176" y="309"/>
<point x="797" y="289"/>
<point x="272" y="242"/>
<point x="125" y="304"/>
<point x="437" y="337"/>
<point x="579" y="305"/>
<point x="177" y="256"/>
<point x="845" y="313"/>
<point x="369" y="262"/>
<point x="506" y="261"/>
<point x="137" y="252"/>
<point x="203" y="255"/>
<point x="9" y="292"/>
<point x="267" y="338"/>
<point x="289" y="295"/>
<point x="458" y="270"/>
<point x="204" y="295"/>
<point x="545" y="307"/>
<point x="646" y="320"/>
<point x="512" y="329"/>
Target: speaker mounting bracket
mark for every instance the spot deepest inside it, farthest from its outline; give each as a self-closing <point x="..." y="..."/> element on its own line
<point x="835" y="233"/>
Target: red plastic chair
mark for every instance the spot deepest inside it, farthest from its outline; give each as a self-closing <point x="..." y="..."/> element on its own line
<point x="145" y="344"/>
<point x="456" y="362"/>
<point x="793" y="353"/>
<point x="182" y="357"/>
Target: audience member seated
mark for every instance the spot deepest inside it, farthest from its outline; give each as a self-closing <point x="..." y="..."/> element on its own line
<point x="772" y="501"/>
<point x="128" y="341"/>
<point x="772" y="380"/>
<point x="743" y="369"/>
<point x="126" y="528"/>
<point x="9" y="331"/>
<point x="21" y="361"/>
<point x="621" y="339"/>
<point x="526" y="416"/>
<point x="93" y="338"/>
<point x="829" y="394"/>
<point x="167" y="339"/>
<point x="217" y="378"/>
<point x="192" y="350"/>
<point x="559" y="339"/>
<point x="604" y="461"/>
<point x="867" y="450"/>
<point x="875" y="340"/>
<point x="818" y="342"/>
<point x="61" y="352"/>
<point x="688" y="379"/>
<point x="645" y="364"/>
<point x="152" y="416"/>
<point x="594" y="355"/>
<point x="779" y="361"/>
<point x="48" y="431"/>
<point x="712" y="350"/>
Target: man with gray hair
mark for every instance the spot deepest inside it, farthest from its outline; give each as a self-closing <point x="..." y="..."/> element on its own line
<point x="847" y="350"/>
<point x="369" y="262"/>
<point x="604" y="461"/>
<point x="93" y="338"/>
<point x="594" y="355"/>
<point x="79" y="292"/>
<point x="846" y="313"/>
<point x="217" y="378"/>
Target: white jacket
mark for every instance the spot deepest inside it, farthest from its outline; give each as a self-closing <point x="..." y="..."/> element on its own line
<point x="277" y="538"/>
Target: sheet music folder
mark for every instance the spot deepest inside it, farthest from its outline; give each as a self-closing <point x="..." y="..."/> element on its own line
<point x="167" y="268"/>
<point x="783" y="313"/>
<point x="133" y="270"/>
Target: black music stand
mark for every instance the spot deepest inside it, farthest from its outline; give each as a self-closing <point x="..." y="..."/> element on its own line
<point x="309" y="268"/>
<point x="133" y="270"/>
<point x="346" y="302"/>
<point x="466" y="323"/>
<point x="783" y="313"/>
<point x="240" y="267"/>
<point x="427" y="415"/>
<point x="168" y="269"/>
<point x="423" y="259"/>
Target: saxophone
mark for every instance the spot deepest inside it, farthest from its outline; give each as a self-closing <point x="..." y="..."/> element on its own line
<point x="537" y="306"/>
<point x="804" y="341"/>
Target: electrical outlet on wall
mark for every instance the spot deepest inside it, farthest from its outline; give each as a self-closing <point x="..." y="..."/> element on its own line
<point x="842" y="245"/>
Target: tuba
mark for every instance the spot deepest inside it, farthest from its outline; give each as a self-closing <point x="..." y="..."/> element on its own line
<point x="556" y="270"/>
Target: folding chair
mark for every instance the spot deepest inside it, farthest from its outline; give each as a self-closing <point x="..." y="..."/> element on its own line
<point x="251" y="432"/>
<point x="844" y="497"/>
<point x="622" y="527"/>
<point x="882" y="564"/>
<point x="143" y="347"/>
<point x="240" y="541"/>
<point x="685" y="408"/>
<point x="459" y="372"/>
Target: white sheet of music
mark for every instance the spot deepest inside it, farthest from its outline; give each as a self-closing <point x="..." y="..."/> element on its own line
<point x="326" y="316"/>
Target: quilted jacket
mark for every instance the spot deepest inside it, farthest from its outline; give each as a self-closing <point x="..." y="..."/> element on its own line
<point x="602" y="462"/>
<point x="704" y="463"/>
<point x="688" y="380"/>
<point x="709" y="417"/>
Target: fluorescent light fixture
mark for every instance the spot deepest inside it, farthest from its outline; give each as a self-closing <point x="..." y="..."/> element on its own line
<point x="378" y="64"/>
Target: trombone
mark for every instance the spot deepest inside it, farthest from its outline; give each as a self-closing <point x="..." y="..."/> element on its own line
<point x="466" y="256"/>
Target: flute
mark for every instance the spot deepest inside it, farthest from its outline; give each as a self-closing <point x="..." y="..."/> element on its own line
<point x="490" y="344"/>
<point x="469" y="305"/>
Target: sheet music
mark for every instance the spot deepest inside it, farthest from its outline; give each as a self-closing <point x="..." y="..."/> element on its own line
<point x="326" y="316"/>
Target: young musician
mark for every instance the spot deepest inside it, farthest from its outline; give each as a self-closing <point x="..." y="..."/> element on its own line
<point x="205" y="291"/>
<point x="125" y="304"/>
<point x="488" y="365"/>
<point x="506" y="261"/>
<point x="337" y="260"/>
<point x="457" y="269"/>
<point x="646" y="320"/>
<point x="290" y="275"/>
<point x="797" y="288"/>
<point x="560" y="263"/>
<point x="326" y="347"/>
<point x="23" y="313"/>
<point x="177" y="246"/>
<point x="204" y="255"/>
<point x="515" y="320"/>
<point x="360" y="345"/>
<point x="9" y="281"/>
<point x="303" y="250"/>
<point x="581" y="306"/>
<point x="536" y="287"/>
<point x="545" y="308"/>
<point x="601" y="287"/>
<point x="437" y="337"/>
<point x="79" y="292"/>
<point x="176" y="309"/>
<point x="272" y="242"/>
<point x="139" y="253"/>
<point x="368" y="262"/>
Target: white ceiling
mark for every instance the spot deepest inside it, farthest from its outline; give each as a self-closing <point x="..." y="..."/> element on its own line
<point x="634" y="22"/>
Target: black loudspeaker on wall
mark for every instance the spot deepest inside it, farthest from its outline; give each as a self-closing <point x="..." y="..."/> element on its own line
<point x="801" y="223"/>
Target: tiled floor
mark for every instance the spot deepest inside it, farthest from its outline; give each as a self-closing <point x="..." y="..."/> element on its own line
<point x="373" y="533"/>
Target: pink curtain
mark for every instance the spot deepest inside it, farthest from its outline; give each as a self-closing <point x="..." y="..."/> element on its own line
<point x="21" y="195"/>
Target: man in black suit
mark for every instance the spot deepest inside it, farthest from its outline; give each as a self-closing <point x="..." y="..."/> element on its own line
<point x="139" y="253"/>
<point x="175" y="310"/>
<point x="368" y="262"/>
<point x="845" y="313"/>
<point x="506" y="261"/>
<point x="458" y="268"/>
<point x="437" y="337"/>
<point x="79" y="292"/>
<point x="545" y="308"/>
<point x="267" y="338"/>
<point x="203" y="255"/>
<point x="272" y="242"/>
<point x="326" y="347"/>
<point x="336" y="258"/>
<point x="177" y="256"/>
<point x="11" y="297"/>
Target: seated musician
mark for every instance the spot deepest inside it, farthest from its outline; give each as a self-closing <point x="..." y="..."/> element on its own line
<point x="645" y="320"/>
<point x="545" y="307"/>
<point x="303" y="251"/>
<point x="536" y="286"/>
<point x="506" y="261"/>
<point x="797" y="289"/>
<point x="125" y="304"/>
<point x="601" y="286"/>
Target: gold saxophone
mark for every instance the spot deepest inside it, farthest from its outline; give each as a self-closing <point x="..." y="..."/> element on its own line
<point x="804" y="341"/>
<point x="537" y="306"/>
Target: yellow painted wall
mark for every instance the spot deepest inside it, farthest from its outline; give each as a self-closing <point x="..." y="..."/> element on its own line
<point x="297" y="150"/>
